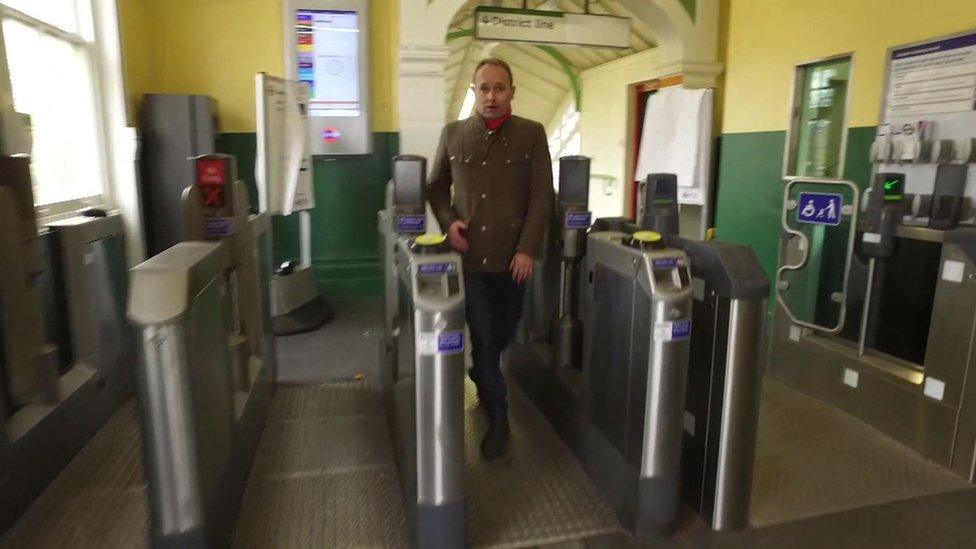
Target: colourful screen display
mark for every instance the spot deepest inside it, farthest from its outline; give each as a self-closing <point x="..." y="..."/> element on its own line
<point x="328" y="60"/>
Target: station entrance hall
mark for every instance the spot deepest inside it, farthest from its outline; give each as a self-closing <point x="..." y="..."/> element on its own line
<point x="487" y="273"/>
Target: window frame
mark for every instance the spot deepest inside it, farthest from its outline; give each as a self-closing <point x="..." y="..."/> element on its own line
<point x="68" y="208"/>
<point x="795" y="113"/>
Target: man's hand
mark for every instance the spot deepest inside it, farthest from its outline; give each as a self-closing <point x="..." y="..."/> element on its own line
<point x="522" y="266"/>
<point x="454" y="236"/>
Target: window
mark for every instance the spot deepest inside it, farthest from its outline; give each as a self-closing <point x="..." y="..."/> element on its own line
<point x="565" y="139"/>
<point x="49" y="48"/>
<point x="818" y="127"/>
<point x="468" y="106"/>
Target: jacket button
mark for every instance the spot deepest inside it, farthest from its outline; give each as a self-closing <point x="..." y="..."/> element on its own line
<point x="484" y="196"/>
<point x="484" y="163"/>
<point x="484" y="261"/>
<point x="483" y="228"/>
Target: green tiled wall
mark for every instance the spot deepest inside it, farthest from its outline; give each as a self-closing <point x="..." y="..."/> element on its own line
<point x="750" y="187"/>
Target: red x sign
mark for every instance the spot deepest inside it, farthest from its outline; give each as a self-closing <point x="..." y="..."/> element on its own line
<point x="213" y="196"/>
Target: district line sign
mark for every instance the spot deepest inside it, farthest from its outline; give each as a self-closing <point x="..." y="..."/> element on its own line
<point x="551" y="27"/>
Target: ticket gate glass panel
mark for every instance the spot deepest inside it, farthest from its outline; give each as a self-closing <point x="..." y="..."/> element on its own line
<point x="820" y="217"/>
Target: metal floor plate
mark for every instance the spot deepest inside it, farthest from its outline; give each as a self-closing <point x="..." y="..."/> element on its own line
<point x="537" y="493"/>
<point x="99" y="500"/>
<point x="324" y="473"/>
<point x="813" y="459"/>
<point x="334" y="398"/>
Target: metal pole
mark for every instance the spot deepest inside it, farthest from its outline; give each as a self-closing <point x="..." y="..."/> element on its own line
<point x="866" y="311"/>
<point x="305" y="238"/>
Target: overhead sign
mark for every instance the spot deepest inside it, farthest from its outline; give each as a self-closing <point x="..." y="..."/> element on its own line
<point x="551" y="27"/>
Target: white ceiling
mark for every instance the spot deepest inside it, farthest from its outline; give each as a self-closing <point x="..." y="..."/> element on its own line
<point x="541" y="82"/>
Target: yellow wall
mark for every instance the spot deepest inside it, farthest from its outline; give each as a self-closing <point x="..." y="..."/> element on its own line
<point x="767" y="38"/>
<point x="137" y="45"/>
<point x="605" y="125"/>
<point x="215" y="47"/>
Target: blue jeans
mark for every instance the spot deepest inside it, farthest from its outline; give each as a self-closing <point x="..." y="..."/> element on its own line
<point x="493" y="306"/>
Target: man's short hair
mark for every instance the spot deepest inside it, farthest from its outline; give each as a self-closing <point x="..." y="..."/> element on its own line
<point x="498" y="63"/>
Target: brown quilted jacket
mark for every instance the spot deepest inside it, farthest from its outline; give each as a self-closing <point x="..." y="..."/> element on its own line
<point x="502" y="184"/>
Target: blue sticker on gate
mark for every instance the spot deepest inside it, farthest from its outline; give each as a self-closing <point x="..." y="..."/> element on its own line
<point x="681" y="329"/>
<point x="436" y="268"/>
<point x="666" y="263"/>
<point x="217" y="227"/>
<point x="449" y="343"/>
<point x="578" y="220"/>
<point x="819" y="208"/>
<point x="411" y="224"/>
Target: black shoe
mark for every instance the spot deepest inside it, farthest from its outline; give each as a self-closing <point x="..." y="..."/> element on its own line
<point x="496" y="440"/>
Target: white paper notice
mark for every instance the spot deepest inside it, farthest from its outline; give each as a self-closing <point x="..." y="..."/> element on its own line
<point x="283" y="165"/>
<point x="933" y="78"/>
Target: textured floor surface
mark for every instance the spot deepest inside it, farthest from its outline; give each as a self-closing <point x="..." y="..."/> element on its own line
<point x="537" y="494"/>
<point x="813" y="459"/>
<point x="346" y="346"/>
<point x="99" y="500"/>
<point x="324" y="473"/>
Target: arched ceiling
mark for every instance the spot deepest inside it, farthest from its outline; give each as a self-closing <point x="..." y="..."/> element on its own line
<point x="544" y="75"/>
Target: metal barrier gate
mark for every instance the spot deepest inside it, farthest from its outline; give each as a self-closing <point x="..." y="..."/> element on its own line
<point x="424" y="363"/>
<point x="203" y="403"/>
<point x="635" y="364"/>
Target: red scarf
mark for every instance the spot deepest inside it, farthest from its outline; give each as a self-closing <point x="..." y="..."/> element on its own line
<point x="492" y="124"/>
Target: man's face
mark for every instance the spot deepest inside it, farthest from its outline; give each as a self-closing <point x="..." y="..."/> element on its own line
<point x="493" y="92"/>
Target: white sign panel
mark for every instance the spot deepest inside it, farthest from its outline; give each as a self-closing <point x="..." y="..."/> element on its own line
<point x="283" y="166"/>
<point x="934" y="78"/>
<point x="551" y="27"/>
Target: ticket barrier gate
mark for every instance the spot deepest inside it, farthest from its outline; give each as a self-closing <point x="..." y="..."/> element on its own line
<point x="203" y="404"/>
<point x="635" y="361"/>
<point x="721" y="413"/>
<point x="425" y="367"/>
<point x="878" y="301"/>
<point x="65" y="347"/>
<point x="551" y="311"/>
<point x="403" y="215"/>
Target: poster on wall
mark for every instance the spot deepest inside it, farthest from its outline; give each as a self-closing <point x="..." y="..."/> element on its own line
<point x="283" y="164"/>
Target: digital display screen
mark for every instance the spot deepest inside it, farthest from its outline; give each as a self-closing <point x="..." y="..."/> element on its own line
<point x="409" y="189"/>
<point x="894" y="189"/>
<point x="328" y="61"/>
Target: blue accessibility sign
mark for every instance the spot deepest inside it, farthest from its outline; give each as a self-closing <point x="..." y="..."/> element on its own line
<point x="819" y="208"/>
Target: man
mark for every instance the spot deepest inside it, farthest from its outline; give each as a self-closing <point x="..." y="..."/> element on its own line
<point x="500" y="169"/>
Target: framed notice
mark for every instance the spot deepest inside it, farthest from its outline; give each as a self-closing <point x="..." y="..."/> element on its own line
<point x="283" y="166"/>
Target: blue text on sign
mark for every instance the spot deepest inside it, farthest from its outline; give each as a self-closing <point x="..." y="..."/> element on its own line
<point x="450" y="342"/>
<point x="411" y="224"/>
<point x="579" y="220"/>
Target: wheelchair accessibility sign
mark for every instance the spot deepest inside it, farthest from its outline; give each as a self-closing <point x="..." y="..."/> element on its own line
<point x="819" y="208"/>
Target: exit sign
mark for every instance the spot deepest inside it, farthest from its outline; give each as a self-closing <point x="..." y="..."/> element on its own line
<point x="551" y="27"/>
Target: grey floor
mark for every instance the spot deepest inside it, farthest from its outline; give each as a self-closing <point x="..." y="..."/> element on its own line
<point x="99" y="500"/>
<point x="822" y="478"/>
<point x="324" y="473"/>
<point x="346" y="347"/>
